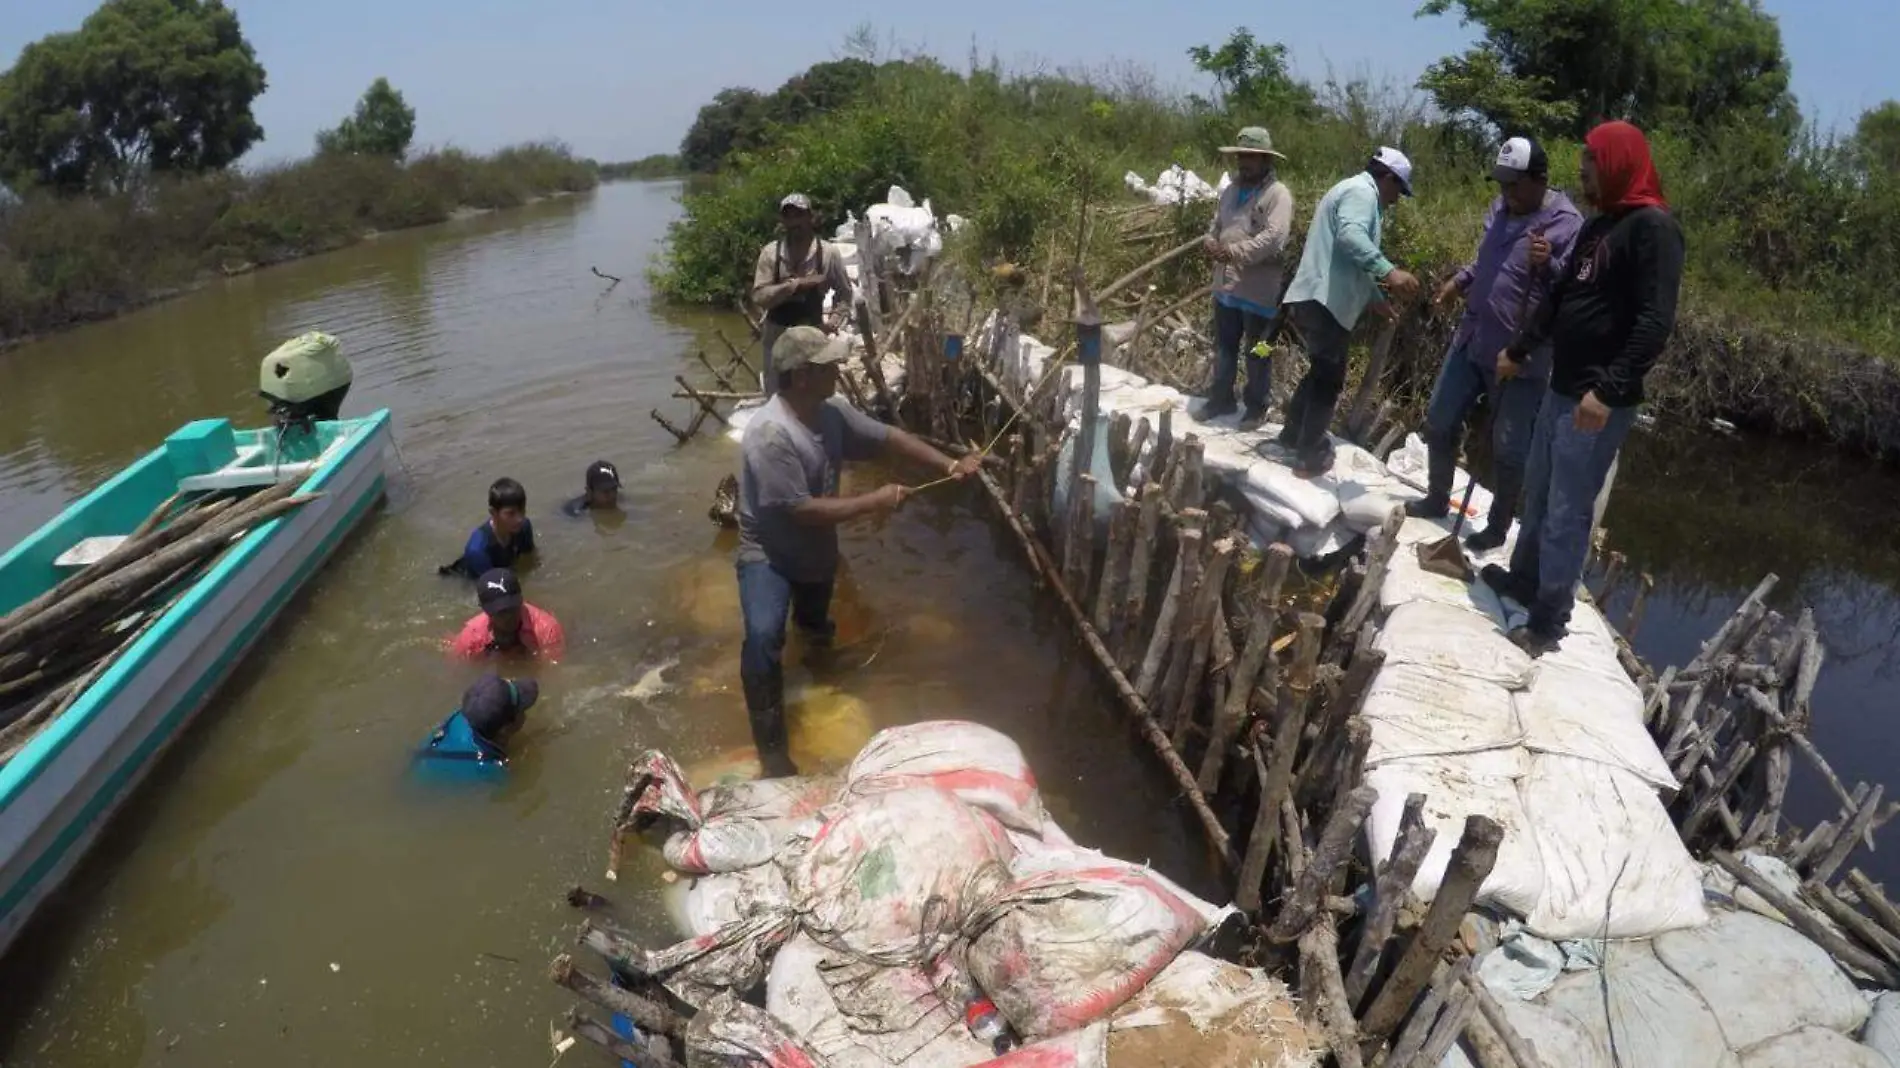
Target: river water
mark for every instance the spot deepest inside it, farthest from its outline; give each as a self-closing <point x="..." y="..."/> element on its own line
<point x="281" y="892"/>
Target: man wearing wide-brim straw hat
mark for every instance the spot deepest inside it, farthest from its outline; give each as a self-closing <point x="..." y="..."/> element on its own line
<point x="1246" y="241"/>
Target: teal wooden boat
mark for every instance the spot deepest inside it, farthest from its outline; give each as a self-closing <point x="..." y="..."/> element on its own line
<point x="59" y="791"/>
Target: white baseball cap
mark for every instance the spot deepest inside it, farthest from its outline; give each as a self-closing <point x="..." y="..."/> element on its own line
<point x="1520" y="157"/>
<point x="1393" y="160"/>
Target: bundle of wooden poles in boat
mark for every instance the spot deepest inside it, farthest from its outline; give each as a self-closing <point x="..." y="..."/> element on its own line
<point x="56" y="645"/>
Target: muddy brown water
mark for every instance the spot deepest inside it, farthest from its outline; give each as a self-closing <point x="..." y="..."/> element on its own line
<point x="281" y="891"/>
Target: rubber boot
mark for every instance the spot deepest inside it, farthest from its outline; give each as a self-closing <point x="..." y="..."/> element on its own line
<point x="765" y="709"/>
<point x="1497" y="525"/>
<point x="1441" y="464"/>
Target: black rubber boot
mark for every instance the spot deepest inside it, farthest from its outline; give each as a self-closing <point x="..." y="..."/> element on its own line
<point x="765" y="709"/>
<point x="1506" y="583"/>
<point x="1430" y="506"/>
<point x="1216" y="406"/>
<point x="1497" y="525"/>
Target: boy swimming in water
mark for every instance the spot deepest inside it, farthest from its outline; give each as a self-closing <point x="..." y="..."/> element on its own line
<point x="603" y="491"/>
<point x="505" y="538"/>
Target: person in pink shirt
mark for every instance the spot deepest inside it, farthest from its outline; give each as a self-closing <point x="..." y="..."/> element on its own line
<point x="507" y="625"/>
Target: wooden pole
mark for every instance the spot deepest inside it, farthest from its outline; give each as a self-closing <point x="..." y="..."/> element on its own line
<point x="1208" y="617"/>
<point x="719" y="376"/>
<point x="1232" y="716"/>
<point x="1323" y="991"/>
<point x="1853" y="831"/>
<point x="682" y="436"/>
<point x="1136" y="442"/>
<point x="1471" y="863"/>
<point x="1115" y="561"/>
<point x="582" y="1026"/>
<point x="1361" y="410"/>
<point x="738" y="355"/>
<point x="1852" y="920"/>
<point x="1378" y="561"/>
<point x="1392" y="887"/>
<point x="1515" y="1044"/>
<point x="646" y="1014"/>
<point x="1131" y="701"/>
<point x="1419" y="1026"/>
<point x="1704" y="808"/>
<point x="1875" y="902"/>
<point x="706" y="405"/>
<point x="1645" y="585"/>
<point x="1808" y="923"/>
<point x="1134" y="607"/>
<point x="1187" y="564"/>
<point x="1329" y="857"/>
<point x="1140" y="272"/>
<point x="872" y="370"/>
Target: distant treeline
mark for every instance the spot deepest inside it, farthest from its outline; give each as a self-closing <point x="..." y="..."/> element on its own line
<point x="646" y="169"/>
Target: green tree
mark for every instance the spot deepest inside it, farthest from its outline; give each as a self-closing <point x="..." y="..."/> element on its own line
<point x="142" y="85"/>
<point x="734" y="121"/>
<point x="821" y="88"/>
<point x="1556" y="67"/>
<point x="1877" y="138"/>
<point x="1252" y="79"/>
<point x="383" y="125"/>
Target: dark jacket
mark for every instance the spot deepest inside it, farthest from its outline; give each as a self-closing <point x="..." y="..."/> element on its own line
<point x="1613" y="309"/>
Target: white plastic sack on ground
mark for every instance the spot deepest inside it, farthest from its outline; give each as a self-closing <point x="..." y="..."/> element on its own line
<point x="1457" y="787"/>
<point x="1560" y="1041"/>
<point x="1812" y="1047"/>
<point x="981" y="766"/>
<point x="1522" y="966"/>
<point x="1211" y="1014"/>
<point x="1042" y="858"/>
<point x="728" y="1033"/>
<point x="1274" y="481"/>
<point x="796" y="993"/>
<point x="1761" y="979"/>
<point x="1592" y="716"/>
<point x="1419" y="711"/>
<point x="1365" y="509"/>
<point x="735" y="957"/>
<point x="1658" y="1020"/>
<point x="893" y="875"/>
<point x="1310" y="543"/>
<point x="1406" y="581"/>
<point x="1882" y="1033"/>
<point x="1059" y="951"/>
<point x="723" y="828"/>
<point x="1453" y="641"/>
<point x="1614" y="866"/>
<point x="713" y="901"/>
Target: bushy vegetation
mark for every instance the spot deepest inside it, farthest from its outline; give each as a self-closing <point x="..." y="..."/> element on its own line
<point x="644" y="169"/>
<point x="1791" y="234"/>
<point x="67" y="259"/>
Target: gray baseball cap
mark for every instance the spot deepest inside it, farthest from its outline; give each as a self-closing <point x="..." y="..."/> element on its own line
<point x="806" y="346"/>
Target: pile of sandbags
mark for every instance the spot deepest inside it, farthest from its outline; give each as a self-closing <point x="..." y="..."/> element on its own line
<point x="921" y="909"/>
<point x="1176" y="185"/>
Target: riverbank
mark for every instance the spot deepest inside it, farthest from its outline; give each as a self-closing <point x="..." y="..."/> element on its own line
<point x="1780" y="330"/>
<point x="66" y="260"/>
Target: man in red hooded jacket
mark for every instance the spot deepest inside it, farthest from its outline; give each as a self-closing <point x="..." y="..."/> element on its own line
<point x="1607" y="320"/>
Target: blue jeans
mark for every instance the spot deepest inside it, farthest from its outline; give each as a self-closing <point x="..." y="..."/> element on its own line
<point x="765" y="599"/>
<point x="1515" y="404"/>
<point x="1566" y="472"/>
<point x="1235" y="331"/>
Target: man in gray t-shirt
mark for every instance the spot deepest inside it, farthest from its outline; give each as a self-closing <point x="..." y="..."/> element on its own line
<point x="790" y="511"/>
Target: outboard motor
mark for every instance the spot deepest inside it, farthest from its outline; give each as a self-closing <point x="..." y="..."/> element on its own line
<point x="305" y="380"/>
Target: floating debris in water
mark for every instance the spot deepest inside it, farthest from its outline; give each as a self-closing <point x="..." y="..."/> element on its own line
<point x="653" y="683"/>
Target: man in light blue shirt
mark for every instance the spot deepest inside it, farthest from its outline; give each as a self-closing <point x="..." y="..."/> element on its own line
<point x="1339" y="277"/>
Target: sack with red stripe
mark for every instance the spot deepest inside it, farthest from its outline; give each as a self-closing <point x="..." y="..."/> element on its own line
<point x="723" y="828"/>
<point x="1061" y="950"/>
<point x="981" y="766"/>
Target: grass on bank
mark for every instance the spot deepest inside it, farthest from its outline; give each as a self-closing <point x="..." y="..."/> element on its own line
<point x="1794" y="256"/>
<point x="65" y="260"/>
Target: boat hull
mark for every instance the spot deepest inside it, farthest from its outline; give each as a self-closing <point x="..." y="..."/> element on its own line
<point x="60" y="792"/>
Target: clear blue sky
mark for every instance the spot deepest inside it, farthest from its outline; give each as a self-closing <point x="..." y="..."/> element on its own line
<point x="619" y="79"/>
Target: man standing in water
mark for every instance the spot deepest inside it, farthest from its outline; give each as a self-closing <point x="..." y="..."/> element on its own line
<point x="1527" y="241"/>
<point x="1607" y="321"/>
<point x="791" y="279"/>
<point x="1341" y="270"/>
<point x="1245" y="242"/>
<point x="790" y="511"/>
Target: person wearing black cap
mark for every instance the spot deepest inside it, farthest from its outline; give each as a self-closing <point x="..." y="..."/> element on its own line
<point x="791" y="279"/>
<point x="507" y="624"/>
<point x="603" y="491"/>
<point x="1527" y="240"/>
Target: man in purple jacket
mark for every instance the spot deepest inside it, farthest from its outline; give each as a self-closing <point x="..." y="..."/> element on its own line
<point x="1528" y="237"/>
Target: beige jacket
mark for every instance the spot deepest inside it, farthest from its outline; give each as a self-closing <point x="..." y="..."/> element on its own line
<point x="1255" y="234"/>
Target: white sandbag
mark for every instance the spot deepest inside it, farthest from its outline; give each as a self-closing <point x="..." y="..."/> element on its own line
<point x="1882" y="1033"/>
<point x="1457" y="787"/>
<point x="1311" y="543"/>
<point x="1059" y="951"/>
<point x="1365" y="509"/>
<point x="1761" y="979"/>
<point x="1417" y="711"/>
<point x="1316" y="504"/>
<point x="1813" y="1047"/>
<point x="981" y="766"/>
<point x="728" y="1033"/>
<point x="1559" y="1040"/>
<point x="1522" y="966"/>
<point x="892" y="875"/>
<point x="1041" y="858"/>
<point x="713" y="901"/>
<point x="1657" y="1019"/>
<point x="723" y="828"/>
<point x="1614" y="866"/>
<point x="1591" y="716"/>
<point x="1453" y="641"/>
<point x="1405" y="582"/>
<point x="796" y="993"/>
<point x="1211" y="1014"/>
